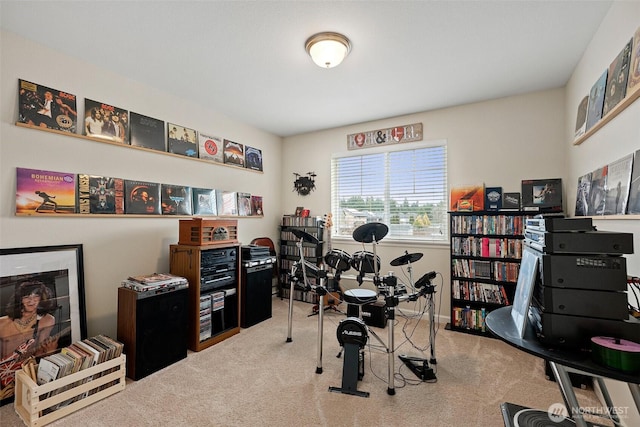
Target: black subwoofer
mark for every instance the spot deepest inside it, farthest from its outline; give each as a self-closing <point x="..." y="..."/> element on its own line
<point x="153" y="329"/>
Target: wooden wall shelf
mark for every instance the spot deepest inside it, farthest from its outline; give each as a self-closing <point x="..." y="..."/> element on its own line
<point x="629" y="99"/>
<point x="77" y="215"/>
<point x="148" y="150"/>
<point x="616" y="217"/>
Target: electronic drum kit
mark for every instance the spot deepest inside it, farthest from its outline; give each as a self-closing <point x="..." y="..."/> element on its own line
<point x="352" y="332"/>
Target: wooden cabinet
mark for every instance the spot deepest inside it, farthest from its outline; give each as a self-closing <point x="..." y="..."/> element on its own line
<point x="213" y="272"/>
<point x="486" y="248"/>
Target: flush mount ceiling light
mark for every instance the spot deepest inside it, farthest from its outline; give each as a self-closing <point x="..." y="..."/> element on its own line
<point x="327" y="49"/>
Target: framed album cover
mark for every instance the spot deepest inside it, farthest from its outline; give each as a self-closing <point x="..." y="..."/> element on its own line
<point x="175" y="200"/>
<point x="147" y="132"/>
<point x="493" y="198"/>
<point x="43" y="192"/>
<point x="542" y="195"/>
<point x="253" y="158"/>
<point x="182" y="140"/>
<point x="583" y="192"/>
<point x="46" y="107"/>
<point x="233" y="153"/>
<point x="596" y="101"/>
<point x="142" y="198"/>
<point x="511" y="201"/>
<point x="204" y="201"/>
<point x="105" y="121"/>
<point x="99" y="194"/>
<point x="633" y="81"/>
<point x="618" y="183"/>
<point x="617" y="79"/>
<point x="210" y="148"/>
<point x="42" y="305"/>
<point x="462" y="197"/>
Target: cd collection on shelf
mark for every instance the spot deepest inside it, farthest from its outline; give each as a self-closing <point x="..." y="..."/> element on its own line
<point x="486" y="252"/>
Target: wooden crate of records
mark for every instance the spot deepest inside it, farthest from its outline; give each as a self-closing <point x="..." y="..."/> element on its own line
<point x="202" y="232"/>
<point x="39" y="405"/>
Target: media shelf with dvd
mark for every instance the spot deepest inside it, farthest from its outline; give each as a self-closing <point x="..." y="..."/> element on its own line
<point x="289" y="253"/>
<point x="486" y="249"/>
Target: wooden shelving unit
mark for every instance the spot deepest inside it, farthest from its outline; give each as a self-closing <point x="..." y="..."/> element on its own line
<point x="187" y="261"/>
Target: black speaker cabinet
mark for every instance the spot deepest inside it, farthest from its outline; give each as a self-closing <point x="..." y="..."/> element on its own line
<point x="153" y="329"/>
<point x="256" y="294"/>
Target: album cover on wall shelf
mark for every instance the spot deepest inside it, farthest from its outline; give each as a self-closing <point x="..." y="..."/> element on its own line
<point x="233" y="153"/>
<point x="596" y="100"/>
<point x="182" y="140"/>
<point x="141" y="197"/>
<point x="542" y="195"/>
<point x="256" y="205"/>
<point x="227" y="202"/>
<point x="46" y="107"/>
<point x="253" y="158"/>
<point x="511" y="201"/>
<point x="105" y="121"/>
<point x="210" y="148"/>
<point x="45" y="192"/>
<point x="244" y="204"/>
<point x="472" y="195"/>
<point x="146" y="132"/>
<point x="617" y="80"/>
<point x="598" y="192"/>
<point x="633" y="207"/>
<point x="99" y="194"/>
<point x="634" y="64"/>
<point x="175" y="200"/>
<point x="581" y="117"/>
<point x="583" y="193"/>
<point x="204" y="201"/>
<point x="618" y="180"/>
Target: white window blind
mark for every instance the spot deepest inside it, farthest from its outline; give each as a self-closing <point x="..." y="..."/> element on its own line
<point x="406" y="189"/>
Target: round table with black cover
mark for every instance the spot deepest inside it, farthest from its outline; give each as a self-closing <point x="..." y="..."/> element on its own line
<point x="501" y="324"/>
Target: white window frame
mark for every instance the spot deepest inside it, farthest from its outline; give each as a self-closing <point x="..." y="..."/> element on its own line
<point x="438" y="232"/>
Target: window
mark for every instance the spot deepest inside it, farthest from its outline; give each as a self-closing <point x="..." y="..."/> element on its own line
<point x="406" y="189"/>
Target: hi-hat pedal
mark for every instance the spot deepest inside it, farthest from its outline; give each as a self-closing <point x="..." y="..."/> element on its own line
<point x="419" y="366"/>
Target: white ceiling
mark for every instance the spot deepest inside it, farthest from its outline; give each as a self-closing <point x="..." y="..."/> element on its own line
<point x="246" y="59"/>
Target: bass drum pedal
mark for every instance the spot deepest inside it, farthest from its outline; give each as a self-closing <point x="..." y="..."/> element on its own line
<point x="352" y="335"/>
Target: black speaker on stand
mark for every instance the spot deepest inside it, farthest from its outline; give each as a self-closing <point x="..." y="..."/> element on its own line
<point x="153" y="328"/>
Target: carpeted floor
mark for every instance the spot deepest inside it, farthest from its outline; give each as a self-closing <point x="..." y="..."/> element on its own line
<point x="257" y="378"/>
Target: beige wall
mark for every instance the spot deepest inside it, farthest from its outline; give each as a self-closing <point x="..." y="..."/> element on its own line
<point x="618" y="138"/>
<point x="498" y="142"/>
<point x="116" y="247"/>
